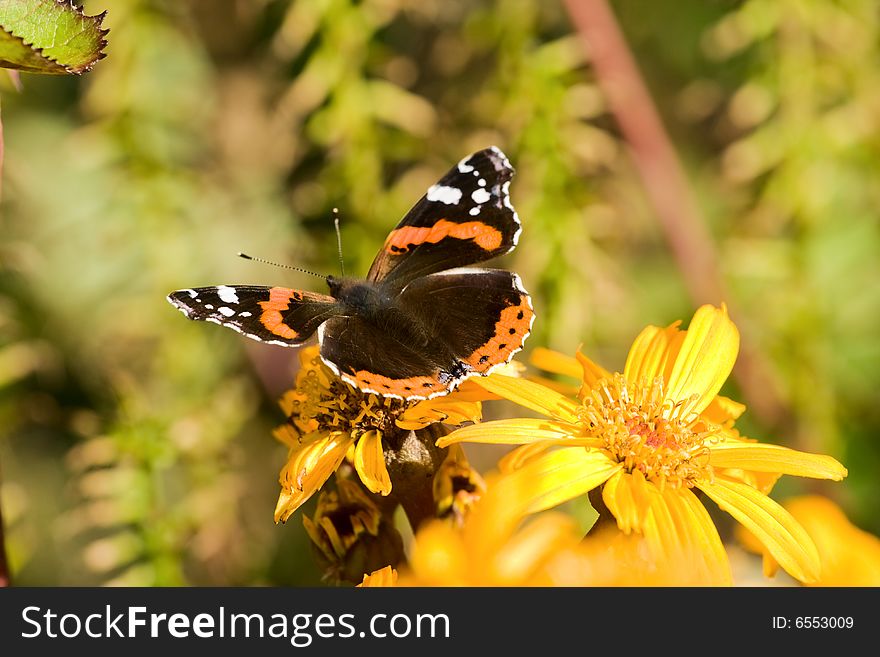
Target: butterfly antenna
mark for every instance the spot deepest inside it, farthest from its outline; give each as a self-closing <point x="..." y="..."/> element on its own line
<point x="275" y="264"/>
<point x="338" y="239"/>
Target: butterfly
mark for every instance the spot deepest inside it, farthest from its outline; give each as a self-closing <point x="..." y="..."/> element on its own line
<point x="423" y="320"/>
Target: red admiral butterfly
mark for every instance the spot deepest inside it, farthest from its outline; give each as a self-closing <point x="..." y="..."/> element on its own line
<point x="421" y="322"/>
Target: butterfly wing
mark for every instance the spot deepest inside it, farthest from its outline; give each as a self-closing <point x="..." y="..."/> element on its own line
<point x="382" y="361"/>
<point x="276" y="315"/>
<point x="449" y="326"/>
<point x="482" y="316"/>
<point x="465" y="218"/>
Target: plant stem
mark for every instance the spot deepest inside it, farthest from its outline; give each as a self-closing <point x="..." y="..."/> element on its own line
<point x="412" y="466"/>
<point x="666" y="184"/>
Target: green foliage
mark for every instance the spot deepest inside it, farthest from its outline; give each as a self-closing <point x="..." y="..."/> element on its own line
<point x="49" y="36"/>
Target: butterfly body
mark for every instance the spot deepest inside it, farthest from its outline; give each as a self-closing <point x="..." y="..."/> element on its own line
<point x="422" y="320"/>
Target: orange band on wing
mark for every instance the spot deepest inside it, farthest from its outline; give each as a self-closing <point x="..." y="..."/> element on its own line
<point x="279" y="300"/>
<point x="510" y="333"/>
<point x="484" y="235"/>
<point x="421" y="386"/>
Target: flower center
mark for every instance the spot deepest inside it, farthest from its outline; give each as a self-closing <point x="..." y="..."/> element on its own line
<point x="321" y="401"/>
<point x="646" y="432"/>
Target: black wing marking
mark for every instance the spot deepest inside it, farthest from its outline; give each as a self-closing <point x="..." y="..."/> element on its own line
<point x="276" y="315"/>
<point x="482" y="316"/>
<point x="387" y="361"/>
<point x="465" y="218"/>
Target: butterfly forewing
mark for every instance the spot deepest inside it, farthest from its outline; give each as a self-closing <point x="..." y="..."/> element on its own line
<point x="465" y="218"/>
<point x="277" y="315"/>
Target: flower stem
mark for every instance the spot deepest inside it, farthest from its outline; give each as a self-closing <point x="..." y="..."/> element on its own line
<point x="411" y="466"/>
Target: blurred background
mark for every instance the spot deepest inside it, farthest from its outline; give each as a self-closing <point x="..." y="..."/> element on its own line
<point x="136" y="447"/>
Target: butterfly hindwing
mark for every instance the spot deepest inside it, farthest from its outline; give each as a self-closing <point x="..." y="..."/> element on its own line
<point x="276" y="315"/>
<point x="382" y="362"/>
<point x="465" y="218"/>
<point x="481" y="316"/>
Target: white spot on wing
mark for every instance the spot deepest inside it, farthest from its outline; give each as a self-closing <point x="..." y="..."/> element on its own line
<point x="480" y="196"/>
<point x="226" y="312"/>
<point x="505" y="195"/>
<point x="244" y="314"/>
<point x="227" y="294"/>
<point x="481" y="182"/>
<point x="209" y="306"/>
<point x="444" y="194"/>
<point x="191" y="293"/>
<point x="474" y="211"/>
<point x="464" y="167"/>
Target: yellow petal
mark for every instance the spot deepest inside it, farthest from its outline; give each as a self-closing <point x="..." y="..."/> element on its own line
<point x="517" y="458"/>
<point x="451" y="409"/>
<point x="521" y="431"/>
<point x="307" y="469"/>
<point x="439" y="557"/>
<point x="592" y="373"/>
<point x="780" y="533"/>
<point x="706" y="358"/>
<point x="558" y="386"/>
<point x="369" y="461"/>
<point x="704" y="551"/>
<point x="850" y="556"/>
<point x="553" y="361"/>
<point x="619" y="497"/>
<point x="532" y="395"/>
<point x="651" y="352"/>
<point x="383" y="577"/>
<point x="528" y="548"/>
<point x="561" y="475"/>
<point x="722" y="409"/>
<point x="764" y="457"/>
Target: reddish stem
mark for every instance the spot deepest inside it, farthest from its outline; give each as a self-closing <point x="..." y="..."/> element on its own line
<point x="665" y="182"/>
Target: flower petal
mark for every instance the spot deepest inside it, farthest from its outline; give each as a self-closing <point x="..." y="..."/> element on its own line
<point x="592" y="373"/>
<point x="451" y="409"/>
<point x="764" y="457"/>
<point x="706" y="358"/>
<point x="553" y="361"/>
<point x="369" y="461"/>
<point x="531" y="395"/>
<point x="723" y="409"/>
<point x="704" y="548"/>
<point x="651" y="352"/>
<point x="383" y="577"/>
<point x="520" y="431"/>
<point x="561" y="475"/>
<point x="775" y="527"/>
<point x="307" y="468"/>
<point x="619" y="497"/>
<point x="539" y="541"/>
<point x="517" y="458"/>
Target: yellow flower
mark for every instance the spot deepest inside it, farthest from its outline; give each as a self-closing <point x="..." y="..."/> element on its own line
<point x="850" y="556"/>
<point x="328" y="419"/>
<point x="652" y="435"/>
<point x="494" y="547"/>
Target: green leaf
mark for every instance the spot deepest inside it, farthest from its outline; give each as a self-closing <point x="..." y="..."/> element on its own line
<point x="49" y="36"/>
